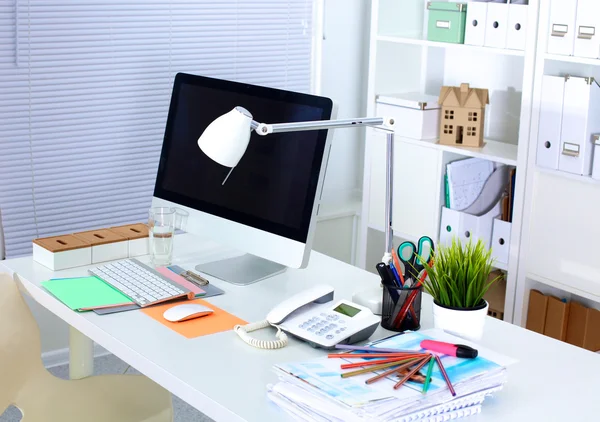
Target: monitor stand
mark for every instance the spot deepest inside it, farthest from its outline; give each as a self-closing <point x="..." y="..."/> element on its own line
<point x="241" y="270"/>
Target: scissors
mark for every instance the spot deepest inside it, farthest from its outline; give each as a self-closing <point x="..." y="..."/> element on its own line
<point x="410" y="255"/>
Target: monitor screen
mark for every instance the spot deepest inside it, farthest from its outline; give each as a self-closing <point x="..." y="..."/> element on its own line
<point x="273" y="187"/>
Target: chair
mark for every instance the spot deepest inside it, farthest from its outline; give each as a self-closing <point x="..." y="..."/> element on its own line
<point x="41" y="397"/>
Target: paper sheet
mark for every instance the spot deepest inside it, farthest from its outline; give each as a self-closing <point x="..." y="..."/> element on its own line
<point x="466" y="179"/>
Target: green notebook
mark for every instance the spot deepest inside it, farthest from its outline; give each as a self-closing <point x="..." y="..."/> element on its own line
<point x="85" y="293"/>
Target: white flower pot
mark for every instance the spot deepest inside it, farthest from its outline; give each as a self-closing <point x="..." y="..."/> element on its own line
<point x="464" y="323"/>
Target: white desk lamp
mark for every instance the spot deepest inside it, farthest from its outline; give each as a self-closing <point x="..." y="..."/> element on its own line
<point x="225" y="141"/>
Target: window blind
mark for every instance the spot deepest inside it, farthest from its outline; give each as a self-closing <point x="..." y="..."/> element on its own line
<point x="85" y="88"/>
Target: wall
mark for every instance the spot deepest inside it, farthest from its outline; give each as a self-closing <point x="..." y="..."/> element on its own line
<point x="344" y="79"/>
<point x="344" y="71"/>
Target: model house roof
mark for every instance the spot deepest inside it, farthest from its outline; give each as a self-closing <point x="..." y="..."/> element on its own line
<point x="464" y="96"/>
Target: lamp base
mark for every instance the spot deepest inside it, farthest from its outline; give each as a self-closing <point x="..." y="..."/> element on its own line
<point x="370" y="298"/>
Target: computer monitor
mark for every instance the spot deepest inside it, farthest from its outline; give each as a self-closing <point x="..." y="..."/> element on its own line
<point x="268" y="205"/>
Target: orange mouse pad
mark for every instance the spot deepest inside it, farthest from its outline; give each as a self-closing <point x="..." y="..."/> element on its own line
<point x="216" y="322"/>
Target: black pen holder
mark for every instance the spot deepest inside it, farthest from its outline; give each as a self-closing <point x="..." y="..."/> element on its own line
<point x="401" y="308"/>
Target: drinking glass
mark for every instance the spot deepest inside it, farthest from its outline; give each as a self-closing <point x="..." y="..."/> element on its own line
<point x="162" y="228"/>
<point x="181" y="218"/>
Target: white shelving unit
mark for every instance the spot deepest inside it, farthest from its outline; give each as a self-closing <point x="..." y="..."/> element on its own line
<point x="559" y="244"/>
<point x="410" y="63"/>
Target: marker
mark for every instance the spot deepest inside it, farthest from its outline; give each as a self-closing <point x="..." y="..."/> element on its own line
<point x="456" y="350"/>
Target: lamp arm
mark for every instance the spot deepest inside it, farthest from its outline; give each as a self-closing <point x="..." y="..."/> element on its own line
<point x="266" y="129"/>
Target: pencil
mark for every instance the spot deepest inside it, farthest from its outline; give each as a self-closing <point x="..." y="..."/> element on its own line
<point x="397" y="265"/>
<point x="388" y="373"/>
<point x="411" y="373"/>
<point x="376" y="368"/>
<point x="371" y="349"/>
<point x="428" y="376"/>
<point x="445" y="375"/>
<point x="373" y="355"/>
<point x="374" y="362"/>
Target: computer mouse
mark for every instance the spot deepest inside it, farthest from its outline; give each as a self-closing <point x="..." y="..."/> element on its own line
<point x="186" y="312"/>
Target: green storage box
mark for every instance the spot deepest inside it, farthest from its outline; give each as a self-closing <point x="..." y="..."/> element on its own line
<point x="447" y="21"/>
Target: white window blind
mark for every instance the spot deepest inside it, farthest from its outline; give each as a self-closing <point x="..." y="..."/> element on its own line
<point x="84" y="93"/>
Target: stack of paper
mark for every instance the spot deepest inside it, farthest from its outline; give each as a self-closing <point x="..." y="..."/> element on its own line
<point x="315" y="391"/>
<point x="466" y="179"/>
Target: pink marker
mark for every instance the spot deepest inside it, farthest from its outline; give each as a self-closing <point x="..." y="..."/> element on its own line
<point x="457" y="350"/>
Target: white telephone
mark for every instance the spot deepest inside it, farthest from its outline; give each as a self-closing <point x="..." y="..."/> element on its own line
<point x="313" y="317"/>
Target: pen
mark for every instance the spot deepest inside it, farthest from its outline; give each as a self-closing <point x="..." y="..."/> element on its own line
<point x="397" y="265"/>
<point x="411" y="373"/>
<point x="396" y="276"/>
<point x="390" y="372"/>
<point x="428" y="376"/>
<point x="445" y="375"/>
<point x="371" y="349"/>
<point x="376" y="362"/>
<point x="456" y="350"/>
<point x="385" y="277"/>
<point x="376" y="368"/>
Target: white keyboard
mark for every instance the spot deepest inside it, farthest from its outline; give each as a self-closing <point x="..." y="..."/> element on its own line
<point x="142" y="284"/>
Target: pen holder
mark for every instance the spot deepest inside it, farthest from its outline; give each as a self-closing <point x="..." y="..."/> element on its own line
<point x="401" y="308"/>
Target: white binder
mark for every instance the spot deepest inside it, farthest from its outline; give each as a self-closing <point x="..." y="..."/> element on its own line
<point x="550" y="126"/>
<point x="467" y="227"/>
<point x="501" y="240"/>
<point x="516" y="38"/>
<point x="496" y="27"/>
<point x="581" y="108"/>
<point x="476" y="23"/>
<point x="563" y="15"/>
<point x="587" y="38"/>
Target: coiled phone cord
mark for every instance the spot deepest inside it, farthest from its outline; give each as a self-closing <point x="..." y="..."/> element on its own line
<point x="243" y="330"/>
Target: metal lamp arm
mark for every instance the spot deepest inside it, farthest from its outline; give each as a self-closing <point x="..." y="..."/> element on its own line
<point x="264" y="129"/>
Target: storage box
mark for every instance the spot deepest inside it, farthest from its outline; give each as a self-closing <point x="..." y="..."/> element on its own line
<point x="496" y="295"/>
<point x="496" y="28"/>
<point x="60" y="252"/>
<point x="596" y="163"/>
<point x="557" y="318"/>
<point x="581" y="108"/>
<point x="467" y="227"/>
<point x="446" y="22"/>
<point x="577" y="324"/>
<point x="587" y="38"/>
<point x="550" y="124"/>
<point x="563" y="15"/>
<point x="516" y="38"/>
<point x="501" y="240"/>
<point x="476" y="21"/>
<point x="137" y="238"/>
<point x="106" y="245"/>
<point x="536" y="312"/>
<point x="416" y="115"/>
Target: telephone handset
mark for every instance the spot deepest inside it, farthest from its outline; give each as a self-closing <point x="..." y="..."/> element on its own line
<point x="314" y="317"/>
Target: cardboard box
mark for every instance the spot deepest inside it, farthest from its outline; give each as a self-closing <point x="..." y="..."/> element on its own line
<point x="60" y="252"/>
<point x="557" y="318"/>
<point x="462" y="115"/>
<point x="578" y="315"/>
<point x="137" y="236"/>
<point x="591" y="339"/>
<point x="106" y="245"/>
<point x="496" y="295"/>
<point x="536" y="312"/>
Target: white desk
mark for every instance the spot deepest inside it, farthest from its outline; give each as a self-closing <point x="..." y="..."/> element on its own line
<point x="226" y="379"/>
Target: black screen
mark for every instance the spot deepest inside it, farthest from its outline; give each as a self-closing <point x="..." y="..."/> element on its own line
<point x="274" y="185"/>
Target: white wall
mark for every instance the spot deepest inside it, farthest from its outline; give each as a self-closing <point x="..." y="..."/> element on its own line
<point x="344" y="79"/>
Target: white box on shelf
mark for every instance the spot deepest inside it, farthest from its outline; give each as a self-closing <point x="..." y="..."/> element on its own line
<point x="416" y="115"/>
<point x="587" y="38"/>
<point x="501" y="240"/>
<point x="106" y="245"/>
<point x="476" y="23"/>
<point x="496" y="28"/>
<point x="561" y="36"/>
<point x="581" y="108"/>
<point x="596" y="164"/>
<point x="550" y="126"/>
<point x="467" y="227"/>
<point x="516" y="38"/>
<point x="60" y="252"/>
<point x="137" y="238"/>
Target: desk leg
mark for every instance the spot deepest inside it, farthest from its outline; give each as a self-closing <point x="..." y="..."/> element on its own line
<point x="81" y="355"/>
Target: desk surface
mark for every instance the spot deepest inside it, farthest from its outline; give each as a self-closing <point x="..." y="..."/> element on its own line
<point x="226" y="379"/>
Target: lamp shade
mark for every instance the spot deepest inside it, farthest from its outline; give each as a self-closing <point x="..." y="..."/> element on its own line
<point x="225" y="140"/>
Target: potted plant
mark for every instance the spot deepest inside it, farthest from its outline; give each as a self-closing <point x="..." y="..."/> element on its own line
<point x="458" y="280"/>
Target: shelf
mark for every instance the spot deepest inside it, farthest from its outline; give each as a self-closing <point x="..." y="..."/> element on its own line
<point x="339" y="209"/>
<point x="499" y="152"/>
<point x="571" y="59"/>
<point x="464" y="47"/>
<point x="571" y="176"/>
<point x="563" y="287"/>
<point x="501" y="266"/>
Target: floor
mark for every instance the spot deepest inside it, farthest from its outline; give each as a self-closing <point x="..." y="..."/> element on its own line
<point x="112" y="365"/>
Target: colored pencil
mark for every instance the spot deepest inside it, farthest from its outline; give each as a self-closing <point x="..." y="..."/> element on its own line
<point x="396" y="262"/>
<point x="376" y="368"/>
<point x="373" y="355"/>
<point x="374" y="362"/>
<point x="371" y="349"/>
<point x="445" y="375"/>
<point x="428" y="376"/>
<point x="388" y="373"/>
<point x="411" y="373"/>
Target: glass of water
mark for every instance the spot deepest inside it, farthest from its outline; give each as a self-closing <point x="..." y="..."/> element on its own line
<point x="162" y="228"/>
